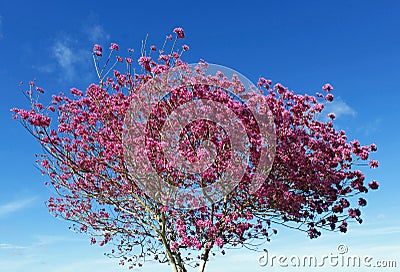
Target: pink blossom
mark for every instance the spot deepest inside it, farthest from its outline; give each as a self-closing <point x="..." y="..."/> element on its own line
<point x="354" y="212"/>
<point x="280" y="89"/>
<point x="164" y="58"/>
<point x="327" y="87"/>
<point x="343" y="227"/>
<point x="344" y="202"/>
<point x="39" y="106"/>
<point x="45" y="164"/>
<point x="185" y="47"/>
<point x="119" y="59"/>
<point x="362" y="202"/>
<point x="159" y="69"/>
<point x="373" y="185"/>
<point x="38" y="120"/>
<point x="266" y="83"/>
<point x="329" y="97"/>
<point x="145" y="62"/>
<point x="40" y="90"/>
<point x="97" y="47"/>
<point x="76" y="92"/>
<point x="332" y="116"/>
<point x="114" y="46"/>
<point x="337" y="209"/>
<point x="153" y="48"/>
<point x="219" y="242"/>
<point x="373" y="163"/>
<point x="179" y="32"/>
<point x="128" y="60"/>
<point x="164" y="209"/>
<point x="174" y="246"/>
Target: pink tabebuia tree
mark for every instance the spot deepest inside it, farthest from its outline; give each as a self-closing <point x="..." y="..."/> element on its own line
<point x="92" y="143"/>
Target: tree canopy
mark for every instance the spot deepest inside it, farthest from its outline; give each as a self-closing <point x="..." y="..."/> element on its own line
<point x="213" y="178"/>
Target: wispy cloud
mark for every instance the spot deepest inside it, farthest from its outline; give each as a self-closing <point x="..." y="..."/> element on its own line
<point x="11" y="246"/>
<point x="96" y="33"/>
<point x="15" y="206"/>
<point x="92" y="264"/>
<point x="339" y="108"/>
<point x="72" y="61"/>
<point x="65" y="57"/>
<point x="47" y="240"/>
<point x="94" y="30"/>
<point x="71" y="51"/>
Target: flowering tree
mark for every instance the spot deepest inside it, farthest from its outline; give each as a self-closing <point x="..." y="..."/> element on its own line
<point x="107" y="160"/>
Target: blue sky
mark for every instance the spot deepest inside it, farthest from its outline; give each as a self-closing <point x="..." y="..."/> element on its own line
<point x="354" y="45"/>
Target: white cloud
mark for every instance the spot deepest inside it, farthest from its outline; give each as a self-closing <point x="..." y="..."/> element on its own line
<point x="72" y="62"/>
<point x="72" y="54"/>
<point x="15" y="206"/>
<point x="339" y="108"/>
<point x="73" y="59"/>
<point x="94" y="30"/>
<point x="64" y="55"/>
<point x="96" y="33"/>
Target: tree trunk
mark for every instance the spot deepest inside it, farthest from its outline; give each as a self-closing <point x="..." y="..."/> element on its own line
<point x="176" y="261"/>
<point x="174" y="256"/>
<point x="177" y="268"/>
<point x="179" y="262"/>
<point x="202" y="266"/>
<point x="204" y="260"/>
